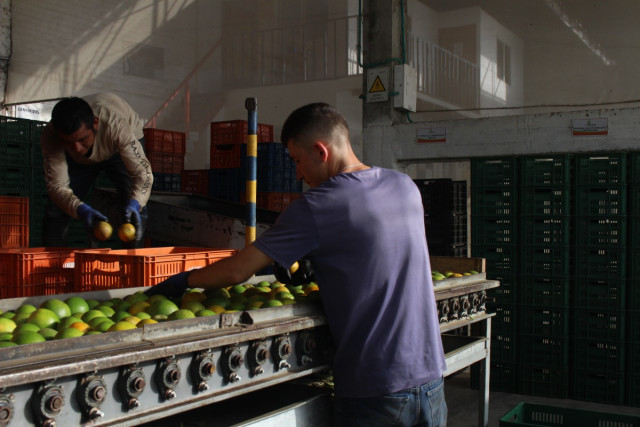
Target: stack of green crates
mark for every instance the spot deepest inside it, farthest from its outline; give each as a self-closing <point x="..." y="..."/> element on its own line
<point x="599" y="292"/>
<point x="494" y="213"/>
<point x="633" y="284"/>
<point x="545" y="276"/>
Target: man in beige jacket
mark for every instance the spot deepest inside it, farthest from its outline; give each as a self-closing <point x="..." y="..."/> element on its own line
<point x="85" y="136"/>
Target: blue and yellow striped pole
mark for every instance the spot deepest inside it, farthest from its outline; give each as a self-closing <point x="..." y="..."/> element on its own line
<point x="252" y="169"/>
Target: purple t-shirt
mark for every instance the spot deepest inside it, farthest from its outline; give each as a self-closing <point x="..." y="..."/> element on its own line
<point x="364" y="234"/>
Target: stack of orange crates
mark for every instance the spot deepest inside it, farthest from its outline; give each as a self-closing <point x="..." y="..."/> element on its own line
<point x="165" y="150"/>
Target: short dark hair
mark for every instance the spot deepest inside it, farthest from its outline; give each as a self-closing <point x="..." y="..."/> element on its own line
<point x="70" y="113"/>
<point x="312" y="121"/>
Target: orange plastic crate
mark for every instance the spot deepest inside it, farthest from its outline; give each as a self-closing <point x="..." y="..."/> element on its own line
<point x="195" y="181"/>
<point x="28" y="272"/>
<point x="14" y="222"/>
<point x="235" y="132"/>
<point x="166" y="141"/>
<point x="128" y="268"/>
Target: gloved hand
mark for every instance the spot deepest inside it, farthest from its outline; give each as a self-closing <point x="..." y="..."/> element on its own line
<point x="174" y="286"/>
<point x="89" y="216"/>
<point x="132" y="215"/>
<point x="304" y="273"/>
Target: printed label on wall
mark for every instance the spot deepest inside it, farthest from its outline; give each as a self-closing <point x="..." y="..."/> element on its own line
<point x="582" y="127"/>
<point x="432" y="135"/>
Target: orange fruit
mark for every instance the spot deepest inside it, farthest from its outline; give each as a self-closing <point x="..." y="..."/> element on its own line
<point x="102" y="230"/>
<point x="81" y="326"/>
<point x="146" y="322"/>
<point x="127" y="232"/>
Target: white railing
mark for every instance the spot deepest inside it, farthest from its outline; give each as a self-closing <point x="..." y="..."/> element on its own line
<point x="442" y="75"/>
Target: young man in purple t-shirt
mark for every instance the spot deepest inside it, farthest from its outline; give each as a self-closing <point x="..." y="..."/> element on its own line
<point x="362" y="229"/>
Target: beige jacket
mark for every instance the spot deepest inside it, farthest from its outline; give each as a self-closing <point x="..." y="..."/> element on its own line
<point x="119" y="129"/>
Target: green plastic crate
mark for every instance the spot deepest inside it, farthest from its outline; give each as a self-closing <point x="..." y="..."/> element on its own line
<point x="536" y="415"/>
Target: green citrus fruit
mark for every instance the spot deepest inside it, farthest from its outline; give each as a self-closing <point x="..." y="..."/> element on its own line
<point x="31" y="327"/>
<point x="27" y="337"/>
<point x="92" y="303"/>
<point x="7" y="344"/>
<point x="7" y="315"/>
<point x="162" y="306"/>
<point x="48" y="333"/>
<point x="67" y="321"/>
<point x="96" y="321"/>
<point x="77" y="305"/>
<point x="69" y="333"/>
<point x="121" y="326"/>
<point x="6" y="336"/>
<point x="104" y="326"/>
<point x="146" y="322"/>
<point x="91" y="314"/>
<point x="205" y="312"/>
<point x="44" y="318"/>
<point x="194" y="306"/>
<point x="7" y="325"/>
<point x="108" y="311"/>
<point x="137" y="307"/>
<point x="143" y="315"/>
<point x="135" y="297"/>
<point x="237" y="289"/>
<point x="273" y="303"/>
<point x="25" y="308"/>
<point x="59" y="307"/>
<point x="254" y="304"/>
<point x="235" y="306"/>
<point x="180" y="314"/>
<point x="220" y="300"/>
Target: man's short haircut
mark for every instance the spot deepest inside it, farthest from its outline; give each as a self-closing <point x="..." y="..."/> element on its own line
<point x="70" y="113"/>
<point x="312" y="122"/>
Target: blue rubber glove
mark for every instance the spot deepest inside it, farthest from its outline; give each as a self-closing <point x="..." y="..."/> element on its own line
<point x="174" y="286"/>
<point x="132" y="215"/>
<point x="89" y="216"/>
<point x="304" y="274"/>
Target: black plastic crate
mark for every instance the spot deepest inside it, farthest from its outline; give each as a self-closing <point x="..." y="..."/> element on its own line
<point x="500" y="260"/>
<point x="495" y="172"/>
<point x="545" y="232"/>
<point x="601" y="169"/>
<point x="550" y="292"/>
<point x="504" y="347"/>
<point x="495" y="202"/>
<point x="546" y="171"/>
<point x="602" y="202"/>
<point x="600" y="293"/>
<point x="599" y="325"/>
<point x="601" y="387"/>
<point x="542" y="350"/>
<point x="494" y="230"/>
<point x="504" y="322"/>
<point x="508" y="291"/>
<point x="545" y="202"/>
<point x="503" y="377"/>
<point x="598" y="356"/>
<point x="600" y="231"/>
<point x="633" y="333"/>
<point x="546" y="261"/>
<point x="543" y="380"/>
<point x="604" y="262"/>
<point x="543" y="321"/>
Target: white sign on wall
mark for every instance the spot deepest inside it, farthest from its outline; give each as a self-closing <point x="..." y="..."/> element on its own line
<point x="437" y="134"/>
<point x="582" y="127"/>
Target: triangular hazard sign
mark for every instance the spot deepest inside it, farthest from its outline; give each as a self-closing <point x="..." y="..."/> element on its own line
<point x="377" y="86"/>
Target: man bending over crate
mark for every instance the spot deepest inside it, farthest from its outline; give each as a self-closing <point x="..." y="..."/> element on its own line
<point x="85" y="136"/>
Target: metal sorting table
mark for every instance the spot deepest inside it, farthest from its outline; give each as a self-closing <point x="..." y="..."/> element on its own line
<point x="461" y="307"/>
<point x="132" y="377"/>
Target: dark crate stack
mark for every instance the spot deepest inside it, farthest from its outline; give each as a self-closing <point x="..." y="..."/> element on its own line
<point x="22" y="170"/>
<point x="600" y="273"/>
<point x="494" y="236"/>
<point x="633" y="284"/>
<point x="276" y="178"/>
<point x="445" y="215"/>
<point x="544" y="275"/>
<point x="568" y="256"/>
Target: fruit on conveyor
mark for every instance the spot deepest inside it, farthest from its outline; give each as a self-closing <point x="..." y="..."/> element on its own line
<point x="437" y="276"/>
<point x="74" y="317"/>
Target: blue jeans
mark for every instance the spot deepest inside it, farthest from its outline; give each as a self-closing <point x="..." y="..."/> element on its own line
<point x="416" y="406"/>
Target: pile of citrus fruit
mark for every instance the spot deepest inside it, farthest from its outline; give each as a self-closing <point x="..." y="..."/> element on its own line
<point x="73" y="317"/>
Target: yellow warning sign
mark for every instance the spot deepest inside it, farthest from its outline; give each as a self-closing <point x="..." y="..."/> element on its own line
<point x="377" y="86"/>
